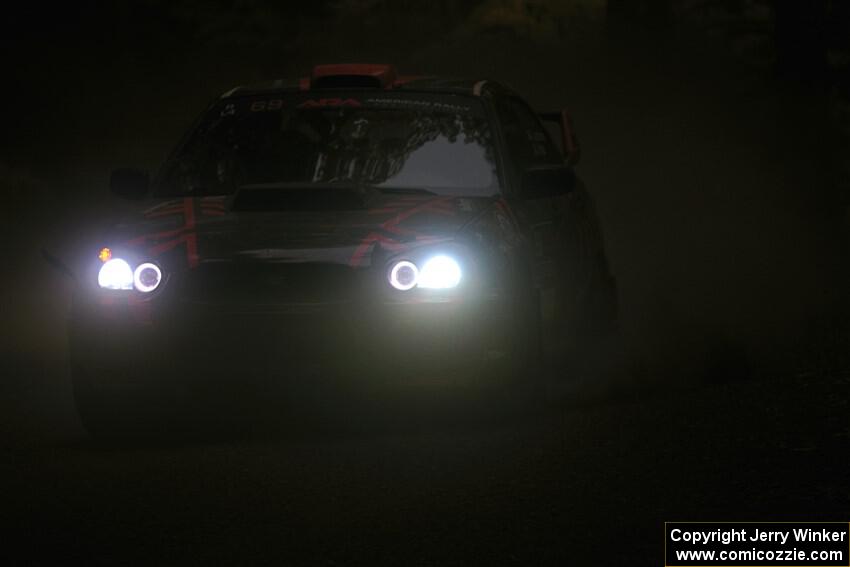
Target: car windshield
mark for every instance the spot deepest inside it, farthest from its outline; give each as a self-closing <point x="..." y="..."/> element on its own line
<point x="441" y="145"/>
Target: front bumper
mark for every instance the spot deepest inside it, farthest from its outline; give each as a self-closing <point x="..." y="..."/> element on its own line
<point x="168" y="343"/>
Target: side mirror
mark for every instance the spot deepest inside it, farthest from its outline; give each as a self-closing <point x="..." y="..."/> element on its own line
<point x="549" y="181"/>
<point x="561" y="121"/>
<point x="129" y="183"/>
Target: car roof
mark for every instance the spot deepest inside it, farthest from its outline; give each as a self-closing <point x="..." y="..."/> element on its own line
<point x="371" y="76"/>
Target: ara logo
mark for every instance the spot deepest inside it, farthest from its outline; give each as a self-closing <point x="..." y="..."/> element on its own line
<point x="325" y="102"/>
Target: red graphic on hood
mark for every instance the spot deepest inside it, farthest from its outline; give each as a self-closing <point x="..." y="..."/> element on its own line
<point x="439" y="205"/>
<point x="209" y="206"/>
<point x="390" y="233"/>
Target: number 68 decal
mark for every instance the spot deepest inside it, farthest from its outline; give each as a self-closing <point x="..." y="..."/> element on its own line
<point x="263" y="105"/>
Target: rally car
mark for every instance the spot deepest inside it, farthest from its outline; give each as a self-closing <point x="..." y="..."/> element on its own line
<point x="357" y="222"/>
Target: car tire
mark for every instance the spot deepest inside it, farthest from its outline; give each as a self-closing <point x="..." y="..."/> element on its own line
<point x="117" y="413"/>
<point x="104" y="416"/>
<point x="524" y="365"/>
<point x="596" y="348"/>
<point x="600" y="309"/>
<point x="114" y="413"/>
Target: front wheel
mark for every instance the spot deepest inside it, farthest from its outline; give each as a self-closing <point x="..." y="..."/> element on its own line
<point x="110" y="412"/>
<point x="596" y="351"/>
<point x="599" y="313"/>
<point x="522" y="367"/>
<point x="111" y="409"/>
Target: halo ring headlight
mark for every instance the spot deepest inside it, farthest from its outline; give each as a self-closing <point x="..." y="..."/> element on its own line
<point x="404" y="275"/>
<point x="147" y="277"/>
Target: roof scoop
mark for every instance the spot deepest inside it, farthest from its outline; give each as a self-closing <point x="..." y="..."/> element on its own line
<point x="355" y="75"/>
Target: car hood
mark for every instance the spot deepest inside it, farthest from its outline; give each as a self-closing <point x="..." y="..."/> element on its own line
<point x="192" y="231"/>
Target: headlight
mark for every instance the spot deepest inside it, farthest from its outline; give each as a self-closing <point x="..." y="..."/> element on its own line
<point x="146" y="277"/>
<point x="404" y="275"/>
<point x="438" y="272"/>
<point x="115" y="274"/>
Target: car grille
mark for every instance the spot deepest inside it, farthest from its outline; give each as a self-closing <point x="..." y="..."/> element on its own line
<point x="241" y="283"/>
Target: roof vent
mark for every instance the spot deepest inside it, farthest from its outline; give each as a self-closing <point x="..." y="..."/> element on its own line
<point x="352" y="76"/>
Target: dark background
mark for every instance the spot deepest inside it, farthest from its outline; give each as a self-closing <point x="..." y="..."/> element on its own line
<point x="715" y="141"/>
